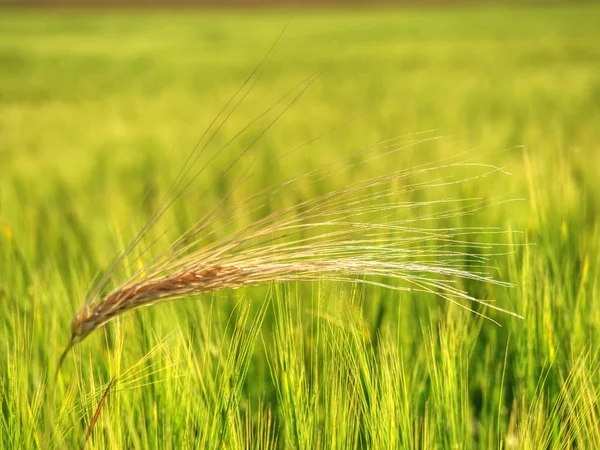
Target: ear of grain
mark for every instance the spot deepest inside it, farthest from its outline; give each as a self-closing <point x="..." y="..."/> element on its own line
<point x="333" y="238"/>
<point x="368" y="232"/>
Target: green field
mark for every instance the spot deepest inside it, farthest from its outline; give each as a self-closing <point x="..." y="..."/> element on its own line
<point x="97" y="108"/>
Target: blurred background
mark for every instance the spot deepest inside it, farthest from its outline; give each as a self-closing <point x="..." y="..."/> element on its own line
<point x="101" y="102"/>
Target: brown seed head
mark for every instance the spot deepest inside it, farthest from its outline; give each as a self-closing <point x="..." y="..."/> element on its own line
<point x="82" y="325"/>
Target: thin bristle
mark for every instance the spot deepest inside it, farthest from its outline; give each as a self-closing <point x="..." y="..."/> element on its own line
<point x="97" y="413"/>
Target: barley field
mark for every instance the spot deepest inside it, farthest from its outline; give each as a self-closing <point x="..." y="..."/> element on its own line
<point x="98" y="112"/>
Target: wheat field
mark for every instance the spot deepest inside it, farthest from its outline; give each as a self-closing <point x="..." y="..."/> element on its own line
<point x="98" y="112"/>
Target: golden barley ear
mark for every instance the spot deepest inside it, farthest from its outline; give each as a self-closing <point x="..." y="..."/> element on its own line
<point x="366" y="232"/>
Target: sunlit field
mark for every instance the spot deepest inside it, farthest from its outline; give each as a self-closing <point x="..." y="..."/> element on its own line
<point x="98" y="113"/>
